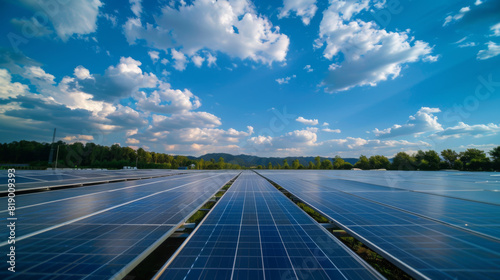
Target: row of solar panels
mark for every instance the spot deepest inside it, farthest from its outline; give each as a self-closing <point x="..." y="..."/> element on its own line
<point x="428" y="235"/>
<point x="255" y="231"/>
<point x="52" y="179"/>
<point x="101" y="231"/>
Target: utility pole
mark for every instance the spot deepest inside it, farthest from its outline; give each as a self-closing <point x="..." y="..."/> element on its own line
<point x="51" y="155"/>
<point x="57" y="155"/>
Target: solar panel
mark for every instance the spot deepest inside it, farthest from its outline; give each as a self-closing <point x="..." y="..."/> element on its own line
<point x="101" y="234"/>
<point x="30" y="180"/>
<point x="255" y="232"/>
<point x="423" y="246"/>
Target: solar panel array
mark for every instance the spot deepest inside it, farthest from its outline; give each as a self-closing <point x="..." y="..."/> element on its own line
<point x="43" y="179"/>
<point x="429" y="236"/>
<point x="103" y="231"/>
<point x="255" y="232"/>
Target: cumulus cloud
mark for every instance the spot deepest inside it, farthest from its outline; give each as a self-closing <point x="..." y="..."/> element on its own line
<point x="307" y="121"/>
<point x="423" y="121"/>
<point x="180" y="60"/>
<point x="185" y="120"/>
<point x="306" y="9"/>
<point x="78" y="138"/>
<point x="305" y="142"/>
<point x="456" y="17"/>
<point x="285" y="80"/>
<point x="120" y="81"/>
<point x="132" y="141"/>
<point x="308" y="68"/>
<point x="331" y="130"/>
<point x="82" y="73"/>
<point x="370" y="54"/>
<point x="492" y="51"/>
<point x="166" y="100"/>
<point x="462" y="129"/>
<point x="8" y="89"/>
<point x="495" y="29"/>
<point x="231" y="27"/>
<point x="154" y="55"/>
<point x="136" y="7"/>
<point x="69" y="17"/>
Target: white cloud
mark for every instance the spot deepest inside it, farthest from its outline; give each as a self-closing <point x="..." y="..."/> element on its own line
<point x="284" y="80"/>
<point x="69" y="17"/>
<point x="456" y="17"/>
<point x="132" y="141"/>
<point x="306" y="9"/>
<point x="180" y="60"/>
<point x="478" y="2"/>
<point x="370" y="54"/>
<point x="325" y="124"/>
<point x="197" y="60"/>
<point x="211" y="60"/>
<point x="331" y="130"/>
<point x="136" y="7"/>
<point x="131" y="132"/>
<point x="495" y="29"/>
<point x="164" y="61"/>
<point x="166" y="100"/>
<point x="231" y="27"/>
<point x="154" y="55"/>
<point x="82" y="73"/>
<point x="120" y="81"/>
<point x="185" y="120"/>
<point x="492" y="51"/>
<point x="304" y="142"/>
<point x="78" y="138"/>
<point x="8" y="89"/>
<point x="462" y="129"/>
<point x="307" y="121"/>
<point x="423" y="121"/>
<point x="308" y="68"/>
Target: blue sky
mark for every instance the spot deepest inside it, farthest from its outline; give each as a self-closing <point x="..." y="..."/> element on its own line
<point x="269" y="78"/>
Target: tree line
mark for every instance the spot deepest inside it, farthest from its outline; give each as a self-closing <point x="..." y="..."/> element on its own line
<point x="469" y="160"/>
<point x="90" y="155"/>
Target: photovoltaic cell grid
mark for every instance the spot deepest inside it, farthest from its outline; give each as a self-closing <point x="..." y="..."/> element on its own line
<point x="469" y="215"/>
<point x="108" y="241"/>
<point x="255" y="232"/>
<point x="424" y="247"/>
<point x="34" y="179"/>
<point x="476" y="186"/>
<point x="38" y="211"/>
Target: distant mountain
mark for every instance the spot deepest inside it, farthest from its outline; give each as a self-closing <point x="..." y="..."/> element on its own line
<point x="248" y="160"/>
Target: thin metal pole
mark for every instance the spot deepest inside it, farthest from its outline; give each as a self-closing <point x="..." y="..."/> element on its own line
<point x="57" y="155"/>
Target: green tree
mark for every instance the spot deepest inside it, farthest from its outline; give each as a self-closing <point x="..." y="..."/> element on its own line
<point x="347" y="166"/>
<point x="362" y="163"/>
<point x="296" y="164"/>
<point x="285" y="164"/>
<point x="269" y="165"/>
<point x="221" y="164"/>
<point x="475" y="160"/>
<point x="338" y="163"/>
<point x="495" y="156"/>
<point x="326" y="164"/>
<point x="449" y="157"/>
<point x="403" y="161"/>
<point x="311" y="165"/>
<point x="379" y="162"/>
<point x="318" y="162"/>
